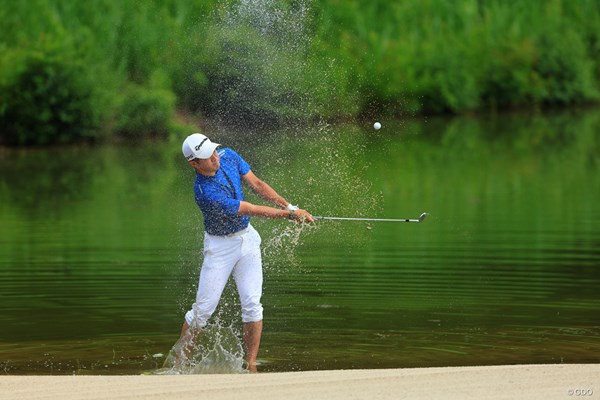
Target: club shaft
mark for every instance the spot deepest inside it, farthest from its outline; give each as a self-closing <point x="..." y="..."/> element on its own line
<point x="365" y="219"/>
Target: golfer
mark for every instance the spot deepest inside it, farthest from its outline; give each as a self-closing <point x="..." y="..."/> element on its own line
<point x="231" y="244"/>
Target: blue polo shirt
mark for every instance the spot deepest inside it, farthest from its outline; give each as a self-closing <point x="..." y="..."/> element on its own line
<point x="219" y="196"/>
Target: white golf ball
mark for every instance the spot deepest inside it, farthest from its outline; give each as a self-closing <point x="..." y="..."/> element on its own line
<point x="376" y="125"/>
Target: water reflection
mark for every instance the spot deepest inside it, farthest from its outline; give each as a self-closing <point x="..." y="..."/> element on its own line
<point x="49" y="181"/>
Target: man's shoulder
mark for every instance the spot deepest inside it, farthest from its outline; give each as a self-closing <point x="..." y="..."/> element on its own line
<point x="228" y="153"/>
<point x="204" y="187"/>
<point x="231" y="159"/>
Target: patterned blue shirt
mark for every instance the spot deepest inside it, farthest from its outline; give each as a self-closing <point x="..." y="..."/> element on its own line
<point x="219" y="196"/>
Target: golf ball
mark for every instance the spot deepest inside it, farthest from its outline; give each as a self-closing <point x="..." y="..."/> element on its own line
<point x="376" y="125"/>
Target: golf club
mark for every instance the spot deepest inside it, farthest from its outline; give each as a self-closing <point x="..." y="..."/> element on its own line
<point x="420" y="219"/>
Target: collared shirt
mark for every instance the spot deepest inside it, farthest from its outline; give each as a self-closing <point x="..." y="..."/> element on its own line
<point x="219" y="196"/>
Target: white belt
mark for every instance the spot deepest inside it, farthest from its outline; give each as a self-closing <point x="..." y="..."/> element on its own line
<point x="234" y="234"/>
<point x="239" y="233"/>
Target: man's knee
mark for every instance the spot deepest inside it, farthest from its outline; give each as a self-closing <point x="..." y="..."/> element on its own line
<point x="252" y="311"/>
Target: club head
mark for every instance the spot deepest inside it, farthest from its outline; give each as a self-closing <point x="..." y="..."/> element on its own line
<point x="423" y="216"/>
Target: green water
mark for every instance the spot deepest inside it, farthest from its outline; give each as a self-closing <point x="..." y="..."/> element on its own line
<point x="99" y="248"/>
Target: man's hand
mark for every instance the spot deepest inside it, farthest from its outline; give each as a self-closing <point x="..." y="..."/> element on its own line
<point x="302" y="216"/>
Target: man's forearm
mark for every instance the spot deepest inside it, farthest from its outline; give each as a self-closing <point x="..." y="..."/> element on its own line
<point x="267" y="193"/>
<point x="254" y="210"/>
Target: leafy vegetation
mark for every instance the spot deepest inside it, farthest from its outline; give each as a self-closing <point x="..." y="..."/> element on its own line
<point x="78" y="70"/>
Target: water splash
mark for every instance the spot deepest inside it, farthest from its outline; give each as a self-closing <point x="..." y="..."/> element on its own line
<point x="272" y="18"/>
<point x="324" y="170"/>
<point x="281" y="245"/>
<point x="260" y="79"/>
<point x="215" y="349"/>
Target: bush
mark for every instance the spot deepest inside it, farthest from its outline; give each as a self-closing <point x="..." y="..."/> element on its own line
<point x="145" y="112"/>
<point x="565" y="68"/>
<point x="45" y="97"/>
<point x="248" y="68"/>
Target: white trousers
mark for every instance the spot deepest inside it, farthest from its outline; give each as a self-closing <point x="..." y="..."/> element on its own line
<point x="237" y="254"/>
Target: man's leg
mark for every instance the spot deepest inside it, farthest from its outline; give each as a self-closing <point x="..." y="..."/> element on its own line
<point x="216" y="268"/>
<point x="252" y="334"/>
<point x="220" y="257"/>
<point x="184" y="328"/>
<point x="249" y="278"/>
<point x="179" y="356"/>
<point x="188" y="339"/>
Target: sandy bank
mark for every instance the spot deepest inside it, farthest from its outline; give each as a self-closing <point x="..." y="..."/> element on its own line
<point x="562" y="381"/>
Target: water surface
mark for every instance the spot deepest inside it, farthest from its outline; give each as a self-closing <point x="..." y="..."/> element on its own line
<point x="100" y="247"/>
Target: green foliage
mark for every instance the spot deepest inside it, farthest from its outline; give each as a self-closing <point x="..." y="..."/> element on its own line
<point x="46" y="97"/>
<point x="457" y="56"/>
<point x="273" y="61"/>
<point x="247" y="68"/>
<point x="564" y="68"/>
<point x="145" y="112"/>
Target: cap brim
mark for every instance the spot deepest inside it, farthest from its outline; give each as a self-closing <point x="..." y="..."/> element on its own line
<point x="207" y="150"/>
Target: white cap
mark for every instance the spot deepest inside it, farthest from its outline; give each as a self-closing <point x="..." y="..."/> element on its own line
<point x="198" y="146"/>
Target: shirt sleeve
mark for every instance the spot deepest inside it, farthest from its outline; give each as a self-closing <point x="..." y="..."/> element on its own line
<point x="243" y="166"/>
